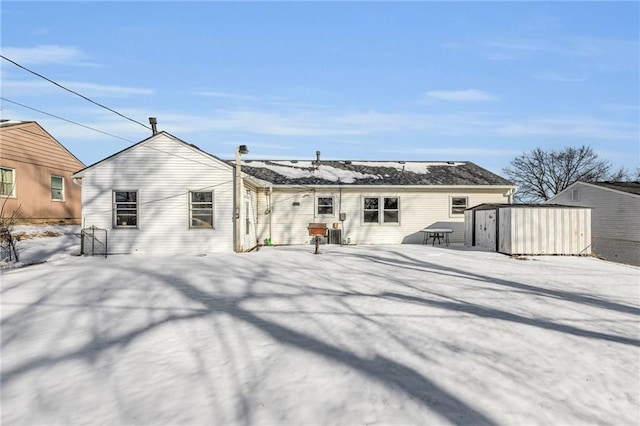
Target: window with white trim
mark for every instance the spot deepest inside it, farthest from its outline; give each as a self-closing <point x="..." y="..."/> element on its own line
<point x="325" y="205"/>
<point x="381" y="210"/>
<point x="125" y="209"/>
<point x="57" y="188"/>
<point x="201" y="209"/>
<point x="459" y="205"/>
<point x="7" y="182"/>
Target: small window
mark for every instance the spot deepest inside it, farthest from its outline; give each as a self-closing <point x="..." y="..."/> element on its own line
<point x="458" y="205"/>
<point x="201" y="207"/>
<point x="381" y="210"/>
<point x="371" y="210"/>
<point x="325" y="205"/>
<point x="57" y="188"/>
<point x="7" y="182"/>
<point x="575" y="195"/>
<point x="125" y="209"/>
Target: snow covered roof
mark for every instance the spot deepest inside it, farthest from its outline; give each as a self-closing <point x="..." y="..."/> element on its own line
<point x="402" y="173"/>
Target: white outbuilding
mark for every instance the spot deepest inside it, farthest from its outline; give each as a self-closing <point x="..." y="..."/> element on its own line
<point x="529" y="229"/>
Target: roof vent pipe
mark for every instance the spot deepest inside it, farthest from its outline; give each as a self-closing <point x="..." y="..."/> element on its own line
<point x="153" y="122"/>
<point x="317" y="157"/>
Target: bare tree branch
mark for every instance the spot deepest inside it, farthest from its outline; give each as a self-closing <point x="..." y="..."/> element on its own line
<point x="542" y="174"/>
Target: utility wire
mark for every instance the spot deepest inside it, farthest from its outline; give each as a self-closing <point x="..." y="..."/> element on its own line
<point x="75" y="93"/>
<point x="64" y="119"/>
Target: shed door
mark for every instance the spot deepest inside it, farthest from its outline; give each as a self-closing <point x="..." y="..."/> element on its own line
<point x="486" y="229"/>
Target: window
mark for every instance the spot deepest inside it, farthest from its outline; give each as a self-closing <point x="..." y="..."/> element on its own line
<point x="57" y="189"/>
<point x="125" y="209"/>
<point x="201" y="208"/>
<point x="325" y="205"/>
<point x="391" y="210"/>
<point x="575" y="195"/>
<point x="458" y="205"/>
<point x="381" y="210"/>
<point x="371" y="210"/>
<point x="7" y="179"/>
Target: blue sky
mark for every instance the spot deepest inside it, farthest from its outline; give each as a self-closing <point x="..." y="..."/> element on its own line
<point x="479" y="81"/>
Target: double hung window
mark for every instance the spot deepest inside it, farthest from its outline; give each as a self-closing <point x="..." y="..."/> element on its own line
<point x="201" y="209"/>
<point x="125" y="209"/>
<point x="458" y="205"/>
<point x="7" y="182"/>
<point x="325" y="205"/>
<point x="57" y="188"/>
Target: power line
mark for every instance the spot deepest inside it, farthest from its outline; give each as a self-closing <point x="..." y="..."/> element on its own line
<point x="74" y="92"/>
<point x="64" y="119"/>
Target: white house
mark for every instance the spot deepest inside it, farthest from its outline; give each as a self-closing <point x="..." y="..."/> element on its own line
<point x="165" y="195"/>
<point x="615" y="217"/>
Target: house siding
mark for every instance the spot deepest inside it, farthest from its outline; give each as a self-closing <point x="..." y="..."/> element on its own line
<point x="615" y="221"/>
<point x="291" y="210"/>
<point x="163" y="171"/>
<point x="35" y="156"/>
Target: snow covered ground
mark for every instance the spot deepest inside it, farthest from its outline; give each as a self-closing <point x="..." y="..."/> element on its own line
<point x="401" y="335"/>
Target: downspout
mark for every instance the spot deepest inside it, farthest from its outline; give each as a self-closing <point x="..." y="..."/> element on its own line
<point x="269" y="206"/>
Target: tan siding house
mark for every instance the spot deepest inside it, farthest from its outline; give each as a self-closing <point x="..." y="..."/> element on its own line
<point x="36" y="174"/>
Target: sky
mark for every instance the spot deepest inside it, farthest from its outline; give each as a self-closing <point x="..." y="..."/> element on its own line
<point x="428" y="81"/>
<point x="385" y="335"/>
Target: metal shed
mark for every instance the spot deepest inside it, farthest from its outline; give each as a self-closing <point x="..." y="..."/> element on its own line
<point x="529" y="229"/>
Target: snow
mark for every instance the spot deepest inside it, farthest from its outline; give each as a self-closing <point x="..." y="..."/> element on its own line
<point x="396" y="334"/>
<point x="306" y="169"/>
<point x="419" y="167"/>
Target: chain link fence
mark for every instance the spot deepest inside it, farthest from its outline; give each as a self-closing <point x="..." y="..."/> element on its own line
<point x="93" y="242"/>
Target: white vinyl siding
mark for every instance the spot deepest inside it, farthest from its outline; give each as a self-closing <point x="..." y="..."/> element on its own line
<point x="615" y="220"/>
<point x="292" y="209"/>
<point x="163" y="206"/>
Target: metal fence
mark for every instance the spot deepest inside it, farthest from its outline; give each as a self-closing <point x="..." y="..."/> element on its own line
<point x="8" y="250"/>
<point x="93" y="241"/>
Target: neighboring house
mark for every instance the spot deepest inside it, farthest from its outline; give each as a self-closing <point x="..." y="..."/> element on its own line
<point x="166" y="195"/>
<point x="615" y="218"/>
<point x="35" y="171"/>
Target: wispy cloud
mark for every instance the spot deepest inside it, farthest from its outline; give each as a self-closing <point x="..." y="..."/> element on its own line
<point x="468" y="95"/>
<point x="227" y="96"/>
<point x="458" y="153"/>
<point x="39" y="88"/>
<point x="45" y="54"/>
<point x="584" y="127"/>
<point x="563" y="78"/>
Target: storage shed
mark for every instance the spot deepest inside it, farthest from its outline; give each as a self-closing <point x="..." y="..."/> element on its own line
<point x="529" y="229"/>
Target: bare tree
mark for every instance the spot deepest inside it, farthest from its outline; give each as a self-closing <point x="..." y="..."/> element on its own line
<point x="541" y="174"/>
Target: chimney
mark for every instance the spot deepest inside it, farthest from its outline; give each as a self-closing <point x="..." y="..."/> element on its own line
<point x="317" y="157"/>
<point x="153" y="122"/>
